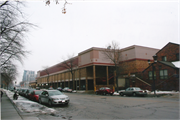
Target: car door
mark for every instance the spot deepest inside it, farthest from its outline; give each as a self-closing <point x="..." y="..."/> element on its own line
<point x="42" y="96"/>
<point x="101" y="90"/>
<point x="46" y="98"/>
<point x="128" y="91"/>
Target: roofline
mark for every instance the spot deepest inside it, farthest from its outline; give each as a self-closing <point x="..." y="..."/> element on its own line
<point x="161" y="63"/>
<point x="166" y="45"/>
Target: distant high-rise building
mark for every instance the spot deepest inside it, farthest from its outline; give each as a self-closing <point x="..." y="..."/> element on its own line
<point x="28" y="76"/>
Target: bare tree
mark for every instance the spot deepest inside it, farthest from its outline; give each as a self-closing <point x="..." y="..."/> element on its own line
<point x="8" y="75"/>
<point x="13" y="28"/>
<point x="48" y="2"/>
<point x="113" y="53"/>
<point x="70" y="65"/>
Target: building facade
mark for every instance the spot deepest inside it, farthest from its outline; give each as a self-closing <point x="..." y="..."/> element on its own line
<point x="166" y="69"/>
<point x="91" y="69"/>
<point x="28" y="76"/>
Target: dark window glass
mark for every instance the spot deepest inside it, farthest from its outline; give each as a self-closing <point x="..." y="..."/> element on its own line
<point x="177" y="56"/>
<point x="163" y="74"/>
<point x="151" y="75"/>
<point x="164" y="58"/>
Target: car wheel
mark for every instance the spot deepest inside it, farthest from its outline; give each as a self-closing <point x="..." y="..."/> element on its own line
<point x="134" y="94"/>
<point x="104" y="93"/>
<point x="121" y="94"/>
<point x="50" y="103"/>
<point x="96" y="93"/>
<point x="111" y="94"/>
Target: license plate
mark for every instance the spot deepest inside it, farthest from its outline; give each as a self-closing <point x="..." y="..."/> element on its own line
<point x="63" y="101"/>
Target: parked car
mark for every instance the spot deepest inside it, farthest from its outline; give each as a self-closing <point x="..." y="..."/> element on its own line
<point x="28" y="92"/>
<point x="34" y="95"/>
<point x="104" y="91"/>
<point x="24" y="92"/>
<point x="37" y="88"/>
<point x="133" y="91"/>
<point x="21" y="91"/>
<point x="50" y="88"/>
<point x="67" y="89"/>
<point x="53" y="97"/>
<point x="60" y="89"/>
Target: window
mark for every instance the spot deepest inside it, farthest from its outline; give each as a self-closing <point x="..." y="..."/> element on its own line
<point x="163" y="74"/>
<point x="164" y="58"/>
<point x="177" y="56"/>
<point x="151" y="75"/>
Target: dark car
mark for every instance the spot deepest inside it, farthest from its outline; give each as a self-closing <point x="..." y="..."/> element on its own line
<point x="53" y="97"/>
<point x="50" y="88"/>
<point x="104" y="91"/>
<point x="133" y="91"/>
<point x="67" y="89"/>
<point x="22" y="91"/>
<point x="28" y="92"/>
<point x="34" y="95"/>
<point x="60" y="89"/>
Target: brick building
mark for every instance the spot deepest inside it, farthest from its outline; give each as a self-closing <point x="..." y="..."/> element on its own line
<point x="166" y="69"/>
<point x="92" y="69"/>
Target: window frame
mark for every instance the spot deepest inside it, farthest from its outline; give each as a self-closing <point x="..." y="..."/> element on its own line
<point x="163" y="76"/>
<point x="151" y="78"/>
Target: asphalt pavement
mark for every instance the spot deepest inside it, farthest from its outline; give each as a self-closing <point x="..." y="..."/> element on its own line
<point x="9" y="111"/>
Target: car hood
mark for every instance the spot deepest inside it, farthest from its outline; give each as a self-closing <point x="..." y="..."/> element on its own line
<point x="58" y="96"/>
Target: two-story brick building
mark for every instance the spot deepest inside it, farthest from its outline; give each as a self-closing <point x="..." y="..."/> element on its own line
<point x="166" y="69"/>
<point x="92" y="69"/>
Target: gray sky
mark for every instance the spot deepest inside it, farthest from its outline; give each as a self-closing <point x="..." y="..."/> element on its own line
<point x="95" y="24"/>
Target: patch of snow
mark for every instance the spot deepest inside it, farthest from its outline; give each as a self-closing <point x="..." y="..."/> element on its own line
<point x="25" y="105"/>
<point x="164" y="92"/>
<point x="177" y="64"/>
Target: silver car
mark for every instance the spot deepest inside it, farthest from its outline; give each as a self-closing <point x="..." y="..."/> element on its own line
<point x="53" y="97"/>
<point x="133" y="91"/>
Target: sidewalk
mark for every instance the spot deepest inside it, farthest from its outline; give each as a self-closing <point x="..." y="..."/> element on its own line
<point x="8" y="111"/>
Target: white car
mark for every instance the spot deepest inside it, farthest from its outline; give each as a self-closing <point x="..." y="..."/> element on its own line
<point x="67" y="89"/>
<point x="133" y="91"/>
<point x="53" y="97"/>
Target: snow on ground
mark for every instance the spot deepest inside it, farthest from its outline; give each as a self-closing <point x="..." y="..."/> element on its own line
<point x="27" y="106"/>
<point x="157" y="92"/>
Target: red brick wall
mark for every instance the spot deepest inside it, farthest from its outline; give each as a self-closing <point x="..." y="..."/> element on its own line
<point x="170" y="51"/>
<point x="172" y="83"/>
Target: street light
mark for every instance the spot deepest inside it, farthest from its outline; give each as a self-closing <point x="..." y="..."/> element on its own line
<point x="153" y="69"/>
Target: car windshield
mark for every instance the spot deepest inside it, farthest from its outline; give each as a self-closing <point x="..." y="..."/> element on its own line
<point x="137" y="89"/>
<point x="52" y="93"/>
<point x="38" y="92"/>
<point x="107" y="88"/>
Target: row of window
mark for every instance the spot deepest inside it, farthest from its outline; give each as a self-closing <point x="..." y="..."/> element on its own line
<point x="162" y="73"/>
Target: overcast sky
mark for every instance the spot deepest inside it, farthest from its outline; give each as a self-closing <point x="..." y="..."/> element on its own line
<point x="95" y="24"/>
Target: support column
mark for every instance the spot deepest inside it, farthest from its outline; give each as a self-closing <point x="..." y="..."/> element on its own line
<point x="79" y="79"/>
<point x="86" y="80"/>
<point x="69" y="80"/>
<point x="114" y="80"/>
<point x="64" y="79"/>
<point x="107" y="73"/>
<point x="94" y="77"/>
